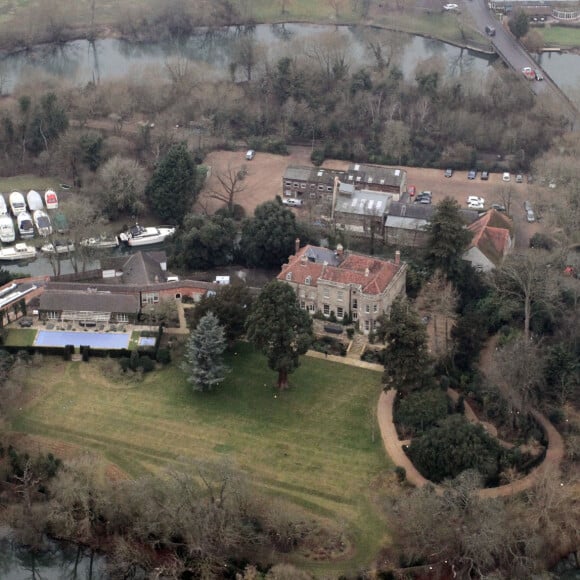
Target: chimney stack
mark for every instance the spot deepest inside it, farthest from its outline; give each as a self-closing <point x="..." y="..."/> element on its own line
<point x="339" y="250"/>
<point x="397" y="258"/>
<point x="367" y="272"/>
<point x="296" y="245"/>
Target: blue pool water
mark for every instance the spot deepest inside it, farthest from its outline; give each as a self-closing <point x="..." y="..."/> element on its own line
<point x="147" y="341"/>
<point x="92" y="339"/>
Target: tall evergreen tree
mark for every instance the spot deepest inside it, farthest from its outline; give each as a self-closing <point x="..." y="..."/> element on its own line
<point x="280" y="329"/>
<point x="173" y="187"/>
<point x="406" y="357"/>
<point x="448" y="238"/>
<point x="204" y="354"/>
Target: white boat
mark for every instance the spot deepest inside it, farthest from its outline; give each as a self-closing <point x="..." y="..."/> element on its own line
<point x="25" y="225"/>
<point x="140" y="236"/>
<point x="100" y="242"/>
<point x="50" y="199"/>
<point x="17" y="203"/>
<point x="42" y="222"/>
<point x="58" y="247"/>
<point x="34" y="200"/>
<point x="3" y="207"/>
<point x="7" y="233"/>
<point x="17" y="252"/>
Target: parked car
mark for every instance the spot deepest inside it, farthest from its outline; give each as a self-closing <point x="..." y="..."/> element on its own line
<point x="424" y="195"/>
<point x="424" y="200"/>
<point x="475" y="199"/>
<point x="490" y="30"/>
<point x="519" y="178"/>
<point x="411" y="190"/>
<point x="448" y="172"/>
<point x="250" y="154"/>
<point x="484" y="175"/>
<point x="530" y="216"/>
<point x="25" y="322"/>
<point x="292" y="202"/>
<point x="506" y="176"/>
<point x="472" y="174"/>
<point x="477" y="206"/>
<point x="498" y="207"/>
<point x="539" y="76"/>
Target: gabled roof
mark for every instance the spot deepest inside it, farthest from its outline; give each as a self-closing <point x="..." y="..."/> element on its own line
<point x="140" y="268"/>
<point x="89" y="300"/>
<point x="371" y="274"/>
<point x="492" y="235"/>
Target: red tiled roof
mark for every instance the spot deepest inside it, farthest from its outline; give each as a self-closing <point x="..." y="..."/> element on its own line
<point x="491" y="235"/>
<point x="353" y="270"/>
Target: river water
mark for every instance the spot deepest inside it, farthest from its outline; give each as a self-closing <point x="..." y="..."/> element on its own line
<point x="81" y="61"/>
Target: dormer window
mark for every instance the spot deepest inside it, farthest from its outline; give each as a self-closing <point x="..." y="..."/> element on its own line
<point x="308" y="280"/>
<point x="289" y="276"/>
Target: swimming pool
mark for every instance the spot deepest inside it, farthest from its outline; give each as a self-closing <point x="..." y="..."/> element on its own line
<point x="92" y="339"/>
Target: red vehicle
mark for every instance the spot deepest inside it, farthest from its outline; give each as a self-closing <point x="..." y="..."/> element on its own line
<point x="411" y="190"/>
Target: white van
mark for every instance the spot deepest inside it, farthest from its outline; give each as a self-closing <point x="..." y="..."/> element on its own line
<point x="293" y="202"/>
<point x="250" y="154"/>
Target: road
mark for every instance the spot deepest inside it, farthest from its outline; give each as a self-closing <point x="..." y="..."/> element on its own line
<point x="516" y="57"/>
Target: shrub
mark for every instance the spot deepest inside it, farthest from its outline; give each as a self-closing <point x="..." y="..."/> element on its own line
<point x="350" y="333"/>
<point x="146" y="364"/>
<point x="163" y="356"/>
<point x="420" y="411"/>
<point x="317" y="157"/>
<point x="401" y="474"/>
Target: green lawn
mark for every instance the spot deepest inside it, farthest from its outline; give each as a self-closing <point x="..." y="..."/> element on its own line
<point x="561" y="36"/>
<point x="24" y="183"/>
<point x="19" y="336"/>
<point x="311" y="445"/>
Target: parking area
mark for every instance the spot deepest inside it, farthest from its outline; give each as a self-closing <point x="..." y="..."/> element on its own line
<point x="264" y="181"/>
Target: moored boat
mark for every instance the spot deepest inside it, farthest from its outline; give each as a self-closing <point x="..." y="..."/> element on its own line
<point x="51" y="199"/>
<point x="100" y="242"/>
<point x="17" y="203"/>
<point x="59" y="247"/>
<point x="20" y="251"/>
<point x="25" y="225"/>
<point x="3" y="207"/>
<point x="34" y="200"/>
<point x="140" y="236"/>
<point x="7" y="233"/>
<point x="42" y="222"/>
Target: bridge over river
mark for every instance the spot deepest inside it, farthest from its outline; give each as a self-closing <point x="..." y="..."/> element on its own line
<point x="516" y="57"/>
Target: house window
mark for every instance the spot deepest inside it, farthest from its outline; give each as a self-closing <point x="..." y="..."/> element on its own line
<point x="312" y="195"/>
<point x="354" y="304"/>
<point x="302" y="304"/>
<point x="289" y="276"/>
<point x="329" y="188"/>
<point x="296" y="185"/>
<point x="312" y="186"/>
<point x="375" y="324"/>
<point x="340" y="295"/>
<point x="122" y="317"/>
<point x="375" y="307"/>
<point x="321" y="187"/>
<point x="326" y="309"/>
<point x="311" y="307"/>
<point x="302" y="186"/>
<point x="150" y="298"/>
<point x="340" y="312"/>
<point x="326" y="293"/>
<point x="53" y="315"/>
<point x="355" y="315"/>
<point x="367" y="308"/>
<point x="367" y="325"/>
<point x="288" y="184"/>
<point x="308" y="280"/>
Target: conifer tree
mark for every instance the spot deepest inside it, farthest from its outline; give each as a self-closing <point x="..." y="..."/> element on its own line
<point x="204" y="354"/>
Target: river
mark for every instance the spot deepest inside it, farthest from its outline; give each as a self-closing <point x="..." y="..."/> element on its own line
<point x="81" y="61"/>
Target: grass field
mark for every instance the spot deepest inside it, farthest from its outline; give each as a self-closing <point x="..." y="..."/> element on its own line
<point x="311" y="445"/>
<point x="19" y="336"/>
<point x="24" y="183"/>
<point x="561" y="36"/>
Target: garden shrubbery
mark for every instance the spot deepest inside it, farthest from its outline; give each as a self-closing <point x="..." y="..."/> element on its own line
<point x="420" y="411"/>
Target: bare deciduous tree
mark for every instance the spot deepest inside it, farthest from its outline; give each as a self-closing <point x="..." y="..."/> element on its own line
<point x="232" y="182"/>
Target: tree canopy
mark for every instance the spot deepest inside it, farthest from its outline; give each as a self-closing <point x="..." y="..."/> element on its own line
<point x="203" y="242"/>
<point x="448" y="237"/>
<point x="172" y="189"/>
<point x="231" y="304"/>
<point x="203" y="358"/>
<point x="519" y="23"/>
<point x="406" y="357"/>
<point x="280" y="329"/>
<point x="268" y="238"/>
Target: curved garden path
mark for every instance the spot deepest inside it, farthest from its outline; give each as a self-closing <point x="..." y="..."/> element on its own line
<point x="394" y="446"/>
